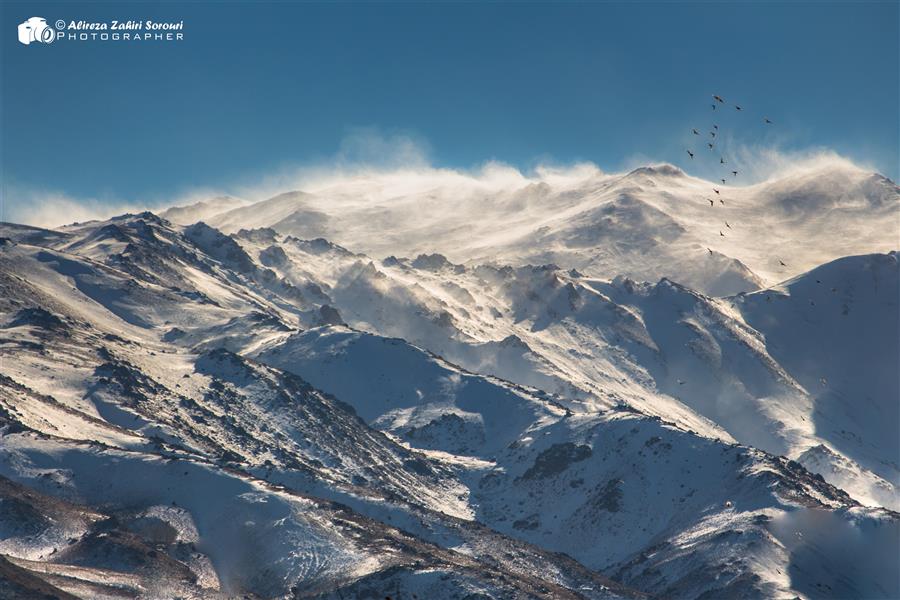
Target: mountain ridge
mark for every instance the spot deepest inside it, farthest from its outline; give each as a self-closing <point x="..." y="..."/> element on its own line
<point x="481" y="421"/>
<point x="531" y="221"/>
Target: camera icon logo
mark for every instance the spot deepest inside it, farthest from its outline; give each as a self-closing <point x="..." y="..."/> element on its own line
<point x="36" y="29"/>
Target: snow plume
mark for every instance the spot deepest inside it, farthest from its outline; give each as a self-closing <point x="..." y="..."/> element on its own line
<point x="367" y="146"/>
<point x="379" y="167"/>
<point x="766" y="163"/>
<point x="52" y="208"/>
<point x="394" y="164"/>
<point x="450" y="386"/>
<point x="372" y="168"/>
<point x="45" y="208"/>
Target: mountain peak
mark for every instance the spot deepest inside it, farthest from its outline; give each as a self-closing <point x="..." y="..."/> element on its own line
<point x="662" y="169"/>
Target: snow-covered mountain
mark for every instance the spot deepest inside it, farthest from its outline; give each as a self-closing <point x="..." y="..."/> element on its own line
<point x="200" y="210"/>
<point x="364" y="391"/>
<point x="650" y="223"/>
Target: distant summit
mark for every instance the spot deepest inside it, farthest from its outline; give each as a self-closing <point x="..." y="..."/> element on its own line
<point x="652" y="222"/>
<point x="198" y="211"/>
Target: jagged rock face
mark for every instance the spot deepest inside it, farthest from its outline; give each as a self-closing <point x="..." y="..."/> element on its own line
<point x="186" y="413"/>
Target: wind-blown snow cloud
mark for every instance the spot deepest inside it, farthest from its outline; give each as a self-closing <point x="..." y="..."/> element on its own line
<point x="44" y="208"/>
<point x="377" y="166"/>
<point x="385" y="165"/>
<point x="761" y="163"/>
<point x="50" y="208"/>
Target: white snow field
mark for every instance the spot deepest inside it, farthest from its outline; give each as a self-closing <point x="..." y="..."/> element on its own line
<point x="650" y="223"/>
<point x="569" y="386"/>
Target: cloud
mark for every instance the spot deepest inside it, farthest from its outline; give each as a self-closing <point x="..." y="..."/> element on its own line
<point x="763" y="163"/>
<point x="49" y="208"/>
<point x="369" y="147"/>
<point x="43" y="208"/>
<point x="362" y="151"/>
<point x="773" y="156"/>
<point x="376" y="167"/>
<point x="382" y="165"/>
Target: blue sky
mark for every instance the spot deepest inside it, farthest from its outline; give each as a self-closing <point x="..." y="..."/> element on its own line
<point x="258" y="87"/>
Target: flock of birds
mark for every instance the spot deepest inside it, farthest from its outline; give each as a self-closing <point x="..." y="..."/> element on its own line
<point x="714" y="132"/>
<point x="711" y="144"/>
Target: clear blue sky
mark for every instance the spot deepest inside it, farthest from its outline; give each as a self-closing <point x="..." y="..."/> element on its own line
<point x="257" y="86"/>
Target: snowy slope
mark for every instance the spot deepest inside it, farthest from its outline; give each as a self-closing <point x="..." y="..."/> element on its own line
<point x="836" y="330"/>
<point x="631" y="481"/>
<point x="200" y="210"/>
<point x="647" y="224"/>
<point x="662" y="348"/>
<point x="429" y="403"/>
<point x="97" y="411"/>
<point x="362" y="427"/>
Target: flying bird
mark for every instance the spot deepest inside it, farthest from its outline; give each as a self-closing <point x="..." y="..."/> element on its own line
<point x="695" y="132"/>
<point x="781" y="262"/>
<point x="715" y="190"/>
<point x="714" y="106"/>
<point x="711" y="203"/>
<point x="718" y="99"/>
<point x="690" y="153"/>
<point x="710" y="251"/>
<point x="722" y="202"/>
<point x="737" y="107"/>
<point x="721" y="161"/>
<point x="734" y="173"/>
<point x="710" y="145"/>
<point x="723" y="181"/>
<point x="720" y="233"/>
<point x="712" y="133"/>
<point x="716" y="127"/>
<point x="727" y="225"/>
<point x="766" y="119"/>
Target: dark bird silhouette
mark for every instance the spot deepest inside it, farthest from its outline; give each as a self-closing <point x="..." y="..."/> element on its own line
<point x="722" y="202"/>
<point x="723" y="181"/>
<point x="695" y="132"/>
<point x="737" y="107"/>
<point x="721" y="161"/>
<point x="710" y="145"/>
<point x="722" y="234"/>
<point x="716" y="127"/>
<point x="734" y="173"/>
<point x="690" y="153"/>
<point x="714" y="106"/>
<point x="712" y="133"/>
<point x="710" y="251"/>
<point x="718" y="99"/>
<point x="711" y="203"/>
<point x="781" y="262"/>
<point x="727" y="225"/>
<point x="766" y="119"/>
<point x="715" y="190"/>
